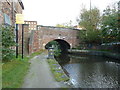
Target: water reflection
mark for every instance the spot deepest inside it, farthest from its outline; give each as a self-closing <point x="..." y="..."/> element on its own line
<point x="91" y="71"/>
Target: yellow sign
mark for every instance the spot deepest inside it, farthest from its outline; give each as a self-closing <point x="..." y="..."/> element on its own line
<point x="19" y="19"/>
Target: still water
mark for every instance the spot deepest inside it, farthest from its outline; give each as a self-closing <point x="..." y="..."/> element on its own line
<point x="91" y="71"/>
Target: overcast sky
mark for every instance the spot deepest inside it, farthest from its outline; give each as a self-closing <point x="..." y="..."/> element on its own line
<point x="52" y="12"/>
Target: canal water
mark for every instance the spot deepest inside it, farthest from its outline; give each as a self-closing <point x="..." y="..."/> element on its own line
<point x="91" y="71"/>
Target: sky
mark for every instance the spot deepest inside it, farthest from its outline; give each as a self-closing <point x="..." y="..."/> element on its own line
<point x="52" y="12"/>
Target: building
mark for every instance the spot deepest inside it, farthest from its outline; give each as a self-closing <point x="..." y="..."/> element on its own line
<point x="32" y="25"/>
<point x="9" y="9"/>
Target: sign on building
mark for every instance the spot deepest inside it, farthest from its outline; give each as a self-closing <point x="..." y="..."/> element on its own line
<point x="19" y="19"/>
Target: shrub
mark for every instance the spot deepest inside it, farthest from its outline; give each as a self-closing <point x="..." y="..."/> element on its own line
<point x="7" y="42"/>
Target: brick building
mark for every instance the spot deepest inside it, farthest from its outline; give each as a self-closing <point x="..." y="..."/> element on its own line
<point x="8" y="11"/>
<point x="32" y="25"/>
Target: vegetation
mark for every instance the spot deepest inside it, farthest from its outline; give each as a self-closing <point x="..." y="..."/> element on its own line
<point x="90" y="20"/>
<point x="110" y="31"/>
<point x="13" y="73"/>
<point x="7" y="42"/>
<point x="99" y="29"/>
<point x="55" y="45"/>
<point x="57" y="71"/>
<point x="13" y="69"/>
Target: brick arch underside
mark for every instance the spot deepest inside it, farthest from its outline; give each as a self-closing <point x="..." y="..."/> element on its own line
<point x="63" y="43"/>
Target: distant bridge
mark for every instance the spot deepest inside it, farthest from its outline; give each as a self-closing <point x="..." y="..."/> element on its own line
<point x="66" y="37"/>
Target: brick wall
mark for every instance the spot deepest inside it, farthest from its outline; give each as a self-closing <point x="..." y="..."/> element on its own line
<point x="34" y="41"/>
<point x="26" y="38"/>
<point x="39" y="38"/>
<point x="48" y="34"/>
<point x="11" y="9"/>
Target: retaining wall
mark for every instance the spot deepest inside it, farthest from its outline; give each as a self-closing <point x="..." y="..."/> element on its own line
<point x="98" y="53"/>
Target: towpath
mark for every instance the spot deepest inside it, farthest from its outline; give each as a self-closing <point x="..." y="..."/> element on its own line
<point x="39" y="75"/>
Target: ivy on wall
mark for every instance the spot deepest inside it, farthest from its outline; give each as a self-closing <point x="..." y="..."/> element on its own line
<point x="7" y="42"/>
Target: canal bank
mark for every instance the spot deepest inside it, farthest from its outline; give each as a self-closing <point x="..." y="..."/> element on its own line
<point x="97" y="53"/>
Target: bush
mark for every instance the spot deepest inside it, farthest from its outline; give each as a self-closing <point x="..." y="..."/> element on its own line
<point x="7" y="42"/>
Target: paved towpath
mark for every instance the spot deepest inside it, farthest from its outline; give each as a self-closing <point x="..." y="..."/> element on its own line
<point x="39" y="75"/>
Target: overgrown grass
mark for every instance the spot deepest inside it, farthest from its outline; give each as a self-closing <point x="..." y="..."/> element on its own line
<point x="14" y="71"/>
<point x="57" y="71"/>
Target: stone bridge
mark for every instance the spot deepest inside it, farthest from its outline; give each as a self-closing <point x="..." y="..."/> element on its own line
<point x="66" y="37"/>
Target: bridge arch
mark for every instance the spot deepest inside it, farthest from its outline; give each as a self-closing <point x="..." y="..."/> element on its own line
<point x="64" y="45"/>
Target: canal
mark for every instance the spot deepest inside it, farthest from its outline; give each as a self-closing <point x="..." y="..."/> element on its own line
<point x="91" y="71"/>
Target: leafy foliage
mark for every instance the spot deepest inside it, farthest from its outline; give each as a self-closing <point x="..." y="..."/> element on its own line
<point x="56" y="46"/>
<point x="7" y="42"/>
<point x="109" y="27"/>
<point x="90" y="20"/>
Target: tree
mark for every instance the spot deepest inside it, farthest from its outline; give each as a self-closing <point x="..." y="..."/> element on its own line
<point x="109" y="27"/>
<point x="90" y="20"/>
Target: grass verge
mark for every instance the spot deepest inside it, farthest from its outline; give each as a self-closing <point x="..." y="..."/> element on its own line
<point x="14" y="71"/>
<point x="57" y="71"/>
